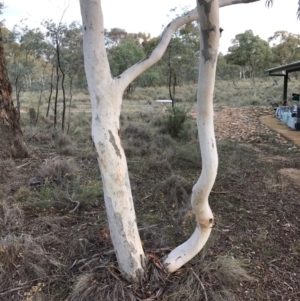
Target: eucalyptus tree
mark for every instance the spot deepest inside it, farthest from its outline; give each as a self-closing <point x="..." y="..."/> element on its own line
<point x="25" y="48"/>
<point x="114" y="36"/>
<point x="106" y="99"/>
<point x="54" y="38"/>
<point x="285" y="48"/>
<point x="123" y="55"/>
<point x="225" y="71"/>
<point x="12" y="143"/>
<point x="71" y="58"/>
<point x="250" y="52"/>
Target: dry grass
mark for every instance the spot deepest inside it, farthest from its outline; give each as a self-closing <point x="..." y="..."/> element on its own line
<point x="202" y="281"/>
<point x="157" y="164"/>
<point x="175" y="189"/>
<point x="189" y="156"/>
<point x="71" y="249"/>
<point x="23" y="260"/>
<point x="57" y="170"/>
<point x="11" y="216"/>
<point x="7" y="169"/>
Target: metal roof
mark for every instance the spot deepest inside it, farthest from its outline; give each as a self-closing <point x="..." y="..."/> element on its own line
<point x="295" y="66"/>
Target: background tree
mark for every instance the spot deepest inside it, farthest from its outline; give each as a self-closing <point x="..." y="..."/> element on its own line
<point x="24" y="48"/>
<point x="249" y="52"/>
<point x="72" y="63"/>
<point x="179" y="63"/>
<point x="123" y="55"/>
<point x="285" y="48"/>
<point x="227" y="71"/>
<point x="12" y="144"/>
<point x="54" y="35"/>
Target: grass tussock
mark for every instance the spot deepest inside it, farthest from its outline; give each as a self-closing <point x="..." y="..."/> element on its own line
<point x="23" y="259"/>
<point x="7" y="171"/>
<point x="11" y="216"/>
<point x="57" y="170"/>
<point x="157" y="164"/>
<point x="189" y="156"/>
<point x="175" y="189"/>
<point x="137" y="131"/>
<point x="101" y="286"/>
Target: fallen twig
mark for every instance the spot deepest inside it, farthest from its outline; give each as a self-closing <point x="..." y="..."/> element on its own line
<point x="203" y="288"/>
<point x="76" y="207"/>
<point x="25" y="164"/>
<point x="144" y="228"/>
<point x="145" y="198"/>
<point x="13" y="290"/>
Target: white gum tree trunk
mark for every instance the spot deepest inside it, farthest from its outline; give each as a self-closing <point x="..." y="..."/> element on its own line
<point x="208" y="11"/>
<point x="106" y="97"/>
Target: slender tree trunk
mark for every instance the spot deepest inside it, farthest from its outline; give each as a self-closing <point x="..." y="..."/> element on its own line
<point x="208" y="11"/>
<point x="62" y="84"/>
<point x="64" y="102"/>
<point x="17" y="92"/>
<point x="51" y="89"/>
<point x="38" y="107"/>
<point x="70" y="103"/>
<point x="56" y="96"/>
<point x="71" y="94"/>
<point x="12" y="144"/>
<point x="172" y="97"/>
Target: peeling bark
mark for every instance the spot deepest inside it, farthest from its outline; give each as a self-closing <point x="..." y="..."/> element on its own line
<point x="12" y="144"/>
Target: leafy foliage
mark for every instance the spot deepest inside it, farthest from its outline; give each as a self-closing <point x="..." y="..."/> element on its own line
<point x="249" y="52"/>
<point x="174" y="120"/>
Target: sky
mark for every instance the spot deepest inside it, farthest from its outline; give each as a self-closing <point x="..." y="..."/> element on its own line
<point x="150" y="16"/>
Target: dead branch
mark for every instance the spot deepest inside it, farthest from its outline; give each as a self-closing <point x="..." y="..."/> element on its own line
<point x="76" y="207"/>
<point x="203" y="288"/>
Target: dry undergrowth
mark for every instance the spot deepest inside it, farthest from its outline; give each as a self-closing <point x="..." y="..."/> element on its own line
<point x="51" y="252"/>
<point x="203" y="280"/>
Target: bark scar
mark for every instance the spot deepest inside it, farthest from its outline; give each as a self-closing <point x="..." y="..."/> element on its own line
<point x="113" y="142"/>
<point x="208" y="52"/>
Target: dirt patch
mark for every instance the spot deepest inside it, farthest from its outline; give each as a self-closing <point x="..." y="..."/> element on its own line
<point x="292" y="173"/>
<point x="239" y="124"/>
<point x="278" y="126"/>
<point x="262" y="156"/>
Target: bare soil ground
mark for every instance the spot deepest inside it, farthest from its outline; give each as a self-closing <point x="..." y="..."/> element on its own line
<point x="54" y="239"/>
<point x="281" y="128"/>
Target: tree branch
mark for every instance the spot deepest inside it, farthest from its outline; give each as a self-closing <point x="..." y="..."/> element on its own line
<point x="134" y="71"/>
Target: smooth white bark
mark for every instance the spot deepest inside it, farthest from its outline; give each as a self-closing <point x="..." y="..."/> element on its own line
<point x="208" y="11"/>
<point x="106" y="98"/>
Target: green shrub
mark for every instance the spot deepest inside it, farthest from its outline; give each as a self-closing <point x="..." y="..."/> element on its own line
<point x="174" y="120"/>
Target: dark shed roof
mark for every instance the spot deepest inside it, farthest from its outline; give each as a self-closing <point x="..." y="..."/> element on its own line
<point x="295" y="66"/>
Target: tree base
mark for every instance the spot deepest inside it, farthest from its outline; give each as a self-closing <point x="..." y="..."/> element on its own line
<point x="12" y="144"/>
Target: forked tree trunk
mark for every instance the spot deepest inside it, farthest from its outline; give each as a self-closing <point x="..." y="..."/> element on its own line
<point x="106" y="98"/>
<point x="12" y="144"/>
